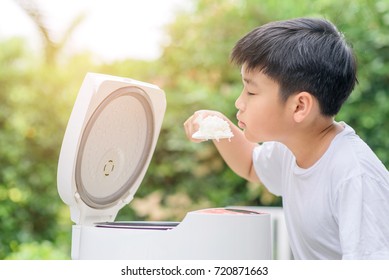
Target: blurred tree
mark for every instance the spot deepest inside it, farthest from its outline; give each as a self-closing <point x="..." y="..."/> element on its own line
<point x="35" y="101"/>
<point x="51" y="47"/>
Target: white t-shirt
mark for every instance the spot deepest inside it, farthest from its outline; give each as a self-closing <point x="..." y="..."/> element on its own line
<point x="336" y="209"/>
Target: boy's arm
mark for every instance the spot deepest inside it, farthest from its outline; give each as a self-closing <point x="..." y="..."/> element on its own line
<point x="237" y="153"/>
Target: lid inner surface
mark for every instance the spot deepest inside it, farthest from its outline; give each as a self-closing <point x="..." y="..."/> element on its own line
<point x="114" y="147"/>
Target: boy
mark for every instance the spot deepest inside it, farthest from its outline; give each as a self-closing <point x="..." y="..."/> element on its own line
<point x="296" y="76"/>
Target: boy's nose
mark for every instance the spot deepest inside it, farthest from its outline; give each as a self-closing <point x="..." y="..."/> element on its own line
<point x="239" y="104"/>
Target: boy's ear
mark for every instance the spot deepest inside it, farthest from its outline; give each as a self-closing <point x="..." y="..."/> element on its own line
<point x="302" y="104"/>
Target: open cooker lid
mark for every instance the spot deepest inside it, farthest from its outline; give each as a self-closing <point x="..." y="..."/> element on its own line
<point x="108" y="144"/>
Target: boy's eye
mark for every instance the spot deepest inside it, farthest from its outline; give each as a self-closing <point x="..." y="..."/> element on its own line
<point x="248" y="92"/>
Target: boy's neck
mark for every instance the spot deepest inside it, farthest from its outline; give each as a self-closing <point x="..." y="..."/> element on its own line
<point x="311" y="143"/>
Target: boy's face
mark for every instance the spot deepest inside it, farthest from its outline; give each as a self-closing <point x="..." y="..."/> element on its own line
<point x="261" y="113"/>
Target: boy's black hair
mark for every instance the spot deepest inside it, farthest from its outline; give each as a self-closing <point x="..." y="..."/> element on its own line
<point x="303" y="54"/>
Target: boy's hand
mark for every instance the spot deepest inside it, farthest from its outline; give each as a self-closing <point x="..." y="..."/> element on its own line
<point x="237" y="153"/>
<point x="191" y="125"/>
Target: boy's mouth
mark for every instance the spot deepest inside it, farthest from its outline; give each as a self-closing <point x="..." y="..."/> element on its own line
<point x="241" y="124"/>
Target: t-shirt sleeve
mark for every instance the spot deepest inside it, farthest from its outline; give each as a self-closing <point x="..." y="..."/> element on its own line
<point x="360" y="206"/>
<point x="267" y="161"/>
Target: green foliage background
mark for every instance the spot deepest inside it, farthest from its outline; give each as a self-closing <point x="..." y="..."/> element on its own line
<point x="37" y="92"/>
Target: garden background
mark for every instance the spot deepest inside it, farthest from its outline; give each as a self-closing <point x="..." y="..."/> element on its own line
<point x="38" y="90"/>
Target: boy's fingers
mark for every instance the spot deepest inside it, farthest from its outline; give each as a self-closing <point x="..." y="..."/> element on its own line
<point x="191" y="127"/>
